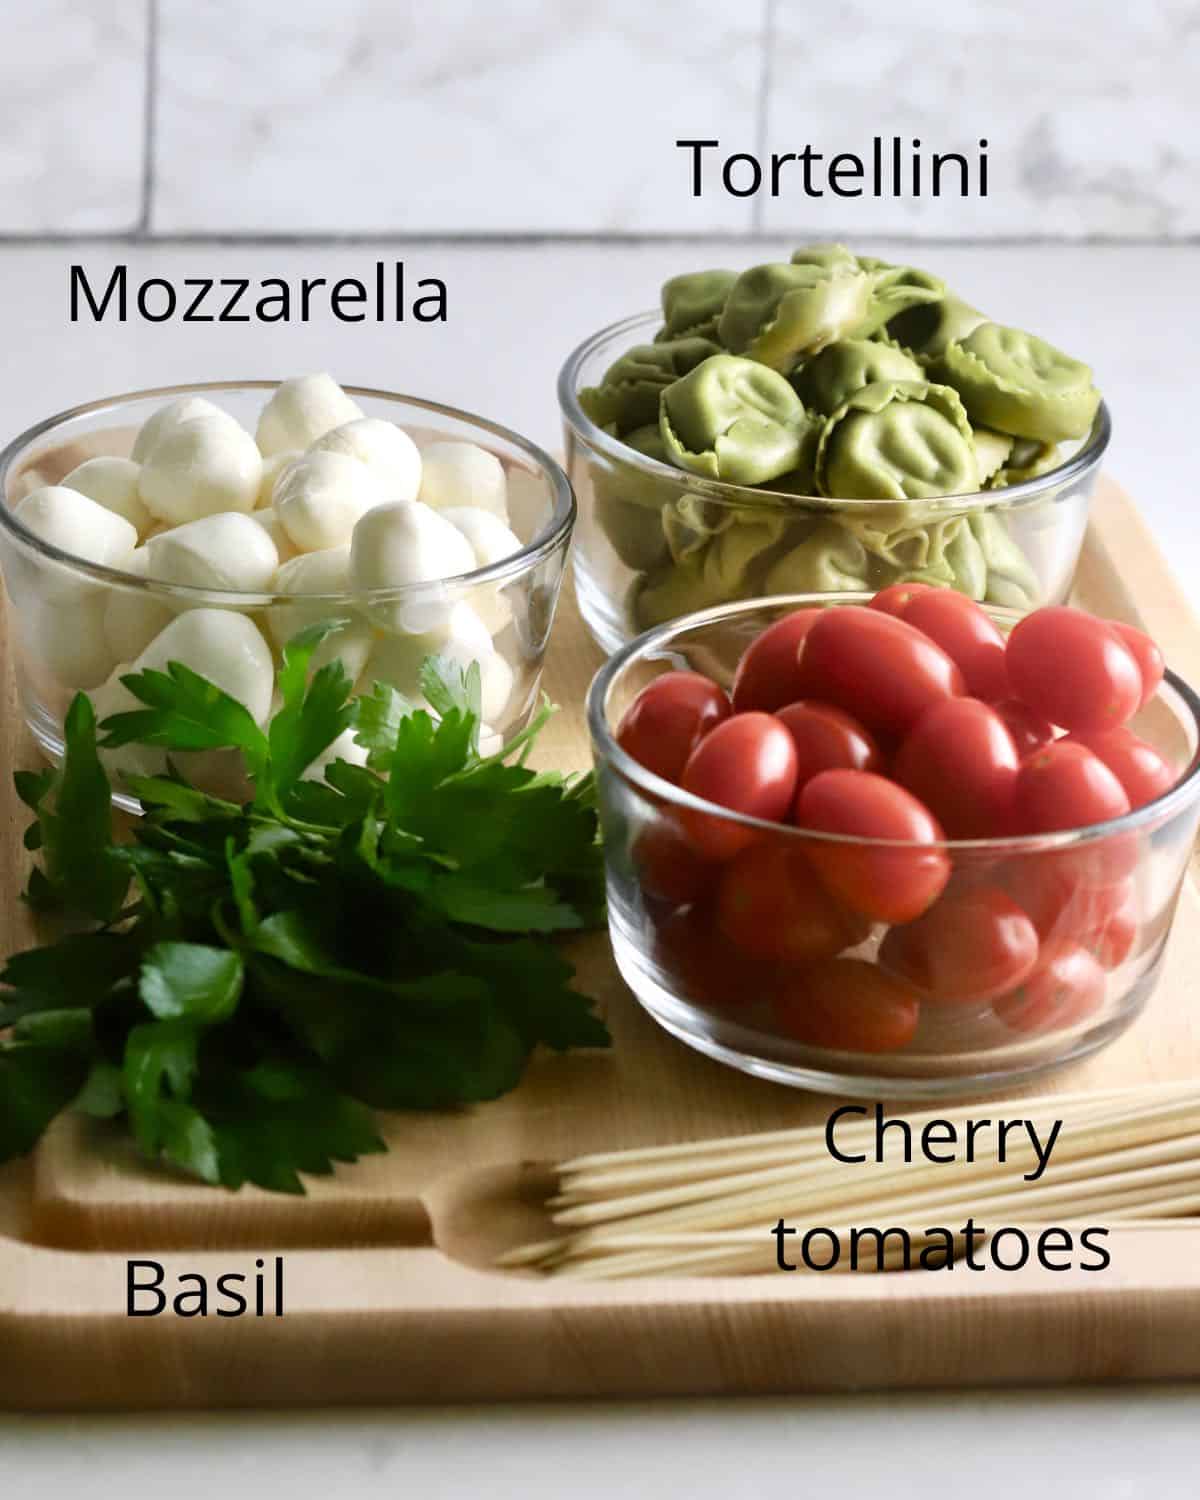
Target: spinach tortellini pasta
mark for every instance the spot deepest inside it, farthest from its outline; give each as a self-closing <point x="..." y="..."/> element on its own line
<point x="831" y="376"/>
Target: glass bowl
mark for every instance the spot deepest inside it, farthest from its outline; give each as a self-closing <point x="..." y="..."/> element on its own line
<point x="72" y="624"/>
<point x="655" y="543"/>
<point x="841" y="1021"/>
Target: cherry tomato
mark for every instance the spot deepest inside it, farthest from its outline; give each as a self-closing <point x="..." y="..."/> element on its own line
<point x="893" y="883"/>
<point x="1029" y="730"/>
<point x="827" y="738"/>
<point x="960" y="760"/>
<point x="876" y="667"/>
<point x="1073" y="668"/>
<point x="1116" y="938"/>
<point x="971" y="946"/>
<point x="1147" y="655"/>
<point x="668" y="719"/>
<point x="1065" y="988"/>
<point x="768" y="675"/>
<point x="896" y="598"/>
<point x="747" y="764"/>
<point x="702" y="966"/>
<point x="1137" y="765"/>
<point x="1063" y="785"/>
<point x="847" y="1004"/>
<point x="668" y="867"/>
<point x="772" y="906"/>
<point x="1046" y="887"/>
<point x="968" y="636"/>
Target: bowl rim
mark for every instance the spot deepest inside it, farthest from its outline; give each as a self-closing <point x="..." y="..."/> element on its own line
<point x="606" y="748"/>
<point x="554" y="535"/>
<point x="1087" y="457"/>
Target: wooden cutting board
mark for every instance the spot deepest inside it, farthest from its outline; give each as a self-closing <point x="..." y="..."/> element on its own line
<point x="389" y="1291"/>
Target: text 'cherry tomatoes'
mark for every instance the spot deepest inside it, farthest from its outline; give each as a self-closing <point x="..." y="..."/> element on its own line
<point x="890" y="881"/>
<point x="971" y="946"/>
<point x="746" y="764"/>
<point x="668" y="719"/>
<point x="772" y="906"/>
<point x="967" y="635"/>
<point x="768" y="675"/>
<point x="847" y="1004"/>
<point x="1073" y="668"/>
<point x="960" y="760"/>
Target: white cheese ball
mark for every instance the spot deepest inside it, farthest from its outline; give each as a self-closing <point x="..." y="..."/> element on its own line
<point x="345" y="747"/>
<point x="133" y="617"/>
<point x="69" y="638"/>
<point x="397" y="658"/>
<point x="113" y="483"/>
<point x="491" y="541"/>
<point x="183" y="409"/>
<point x="201" y="467"/>
<point x="387" y="450"/>
<point x="223" y="646"/>
<point x="302" y="410"/>
<point x="321" y="497"/>
<point x="230" y="551"/>
<point x="67" y="519"/>
<point x="401" y="543"/>
<point x="285" y="548"/>
<point x="463" y="474"/>
<point x="272" y="468"/>
<point x="313" y="574"/>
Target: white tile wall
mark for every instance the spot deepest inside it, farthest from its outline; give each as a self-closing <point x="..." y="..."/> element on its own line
<point x="295" y="117"/>
<point x="72" y="115"/>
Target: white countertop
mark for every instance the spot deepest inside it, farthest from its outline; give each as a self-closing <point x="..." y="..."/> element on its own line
<point x="515" y="310"/>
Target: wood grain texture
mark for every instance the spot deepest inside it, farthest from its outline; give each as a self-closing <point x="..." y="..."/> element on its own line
<point x="389" y="1293"/>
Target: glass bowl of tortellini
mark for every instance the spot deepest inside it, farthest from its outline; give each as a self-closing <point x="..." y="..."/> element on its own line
<point x="210" y="524"/>
<point x="833" y="423"/>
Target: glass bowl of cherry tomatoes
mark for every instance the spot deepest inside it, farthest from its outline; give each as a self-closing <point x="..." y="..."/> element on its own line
<point x="897" y="843"/>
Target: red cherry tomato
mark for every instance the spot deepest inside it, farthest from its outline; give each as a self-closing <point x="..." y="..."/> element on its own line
<point x="1063" y="785"/>
<point x="1029" y="730"/>
<point x="1147" y="655"/>
<point x="887" y="881"/>
<point x="747" y="764"/>
<point x="847" y="1004"/>
<point x="768" y="675"/>
<point x="668" y="867"/>
<point x="772" y="906"/>
<point x="971" y="946"/>
<point x="701" y="966"/>
<point x="876" y="667"/>
<point x="960" y="761"/>
<point x="668" y="719"/>
<point x="827" y="738"/>
<point x="967" y="635"/>
<point x="1116" y="938"/>
<point x="1047" y="888"/>
<point x="1137" y="765"/>
<point x="896" y="598"/>
<point x="1065" y="988"/>
<point x="1073" y="668"/>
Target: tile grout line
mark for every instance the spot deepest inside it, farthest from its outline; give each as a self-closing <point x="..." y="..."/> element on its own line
<point x="225" y="239"/>
<point x="766" y="75"/>
<point x="149" y="120"/>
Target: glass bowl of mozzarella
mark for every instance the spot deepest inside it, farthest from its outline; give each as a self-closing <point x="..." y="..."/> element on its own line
<point x="209" y="524"/>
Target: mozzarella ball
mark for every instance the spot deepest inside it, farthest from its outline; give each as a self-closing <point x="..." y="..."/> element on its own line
<point x="272" y="468"/>
<point x="401" y="543"/>
<point x="397" y="658"/>
<point x="316" y="573"/>
<point x="285" y="548"/>
<point x="387" y="450"/>
<point x="201" y="467"/>
<point x="491" y="541"/>
<point x="320" y="498"/>
<point x="345" y="747"/>
<point x="133" y="617"/>
<point x="302" y="410"/>
<point x="67" y="519"/>
<point x="184" y="409"/>
<point x="223" y="646"/>
<point x="463" y="474"/>
<point x="230" y="551"/>
<point x="68" y="636"/>
<point x="113" y="483"/>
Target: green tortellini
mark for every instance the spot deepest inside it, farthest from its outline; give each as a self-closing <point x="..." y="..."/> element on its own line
<point x="780" y="314"/>
<point x="831" y="257"/>
<point x="627" y="502"/>
<point x="992" y="452"/>
<point x="727" y="567"/>
<point x="928" y="330"/>
<point x="1027" y="459"/>
<point x="692" y="304"/>
<point x="897" y="440"/>
<point x="627" y="398"/>
<point x="1010" y="580"/>
<point x="829" y="560"/>
<point x="832" y="377"/>
<point x="1020" y="384"/>
<point x="894" y="291"/>
<point x="733" y="419"/>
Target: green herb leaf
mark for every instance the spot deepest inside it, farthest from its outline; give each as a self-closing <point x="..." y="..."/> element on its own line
<point x="36" y="1083"/>
<point x="186" y="712"/>
<point x="191" y="981"/>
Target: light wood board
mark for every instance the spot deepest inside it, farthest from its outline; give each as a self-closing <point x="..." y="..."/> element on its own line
<point x="390" y="1292"/>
